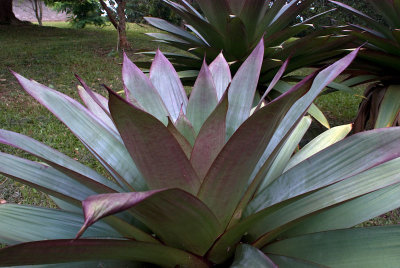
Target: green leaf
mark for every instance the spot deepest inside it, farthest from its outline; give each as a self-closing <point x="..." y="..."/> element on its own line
<point x="245" y="146"/>
<point x="61" y="162"/>
<point x="221" y="73"/>
<point x="319" y="143"/>
<point x="342" y="160"/>
<point x="286" y="262"/>
<point x="183" y="142"/>
<point x="379" y="26"/>
<point x="21" y="223"/>
<point x="95" y="108"/>
<point x="242" y="90"/>
<point x="139" y="89"/>
<point x="186" y="222"/>
<point x="248" y="256"/>
<point x="169" y="27"/>
<point x="44" y="178"/>
<point x="203" y="99"/>
<point x="359" y="247"/>
<point x="390" y="107"/>
<point x="236" y="39"/>
<point x="94" y="134"/>
<point x="61" y="251"/>
<point x="216" y="11"/>
<point x="169" y="86"/>
<point x="277" y="221"/>
<point x="286" y="152"/>
<point x="210" y="140"/>
<point x="184" y="126"/>
<point x="316" y="113"/>
<point x="350" y="213"/>
<point x="251" y="13"/>
<point x="152" y="145"/>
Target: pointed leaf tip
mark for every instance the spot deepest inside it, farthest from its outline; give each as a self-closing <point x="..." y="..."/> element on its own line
<point x="168" y="85"/>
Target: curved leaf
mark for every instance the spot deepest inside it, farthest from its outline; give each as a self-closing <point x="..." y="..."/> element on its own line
<point x="169" y="27"/>
<point x="389" y="110"/>
<point x="340" y="161"/>
<point x="280" y="220"/>
<point x="21" y="223"/>
<point x="350" y="213"/>
<point x="318" y="144"/>
<point x="89" y="130"/>
<point x="362" y="247"/>
<point x="248" y="256"/>
<point x="59" y="161"/>
<point x="186" y="222"/>
<point x="62" y="251"/>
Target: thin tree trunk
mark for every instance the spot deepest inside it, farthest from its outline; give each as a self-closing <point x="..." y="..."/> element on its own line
<point x="123" y="41"/>
<point x="37" y="8"/>
<point x="118" y="23"/>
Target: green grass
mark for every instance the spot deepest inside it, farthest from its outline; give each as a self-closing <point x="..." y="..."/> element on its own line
<point x="51" y="55"/>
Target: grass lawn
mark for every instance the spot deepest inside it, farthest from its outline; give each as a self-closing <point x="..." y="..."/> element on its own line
<point x="51" y="55"/>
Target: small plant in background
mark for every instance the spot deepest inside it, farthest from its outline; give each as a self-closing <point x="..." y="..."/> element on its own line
<point x="379" y="63"/>
<point x="203" y="181"/>
<point x="235" y="27"/>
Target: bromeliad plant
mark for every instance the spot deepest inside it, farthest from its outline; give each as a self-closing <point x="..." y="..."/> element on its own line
<point x="203" y="181"/>
<point x="236" y="26"/>
<point x="379" y="63"/>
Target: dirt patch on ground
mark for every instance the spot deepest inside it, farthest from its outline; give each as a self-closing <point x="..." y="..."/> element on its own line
<point x="23" y="11"/>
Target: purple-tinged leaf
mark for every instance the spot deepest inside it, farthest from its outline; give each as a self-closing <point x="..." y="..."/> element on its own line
<point x="154" y="149"/>
<point x="138" y="87"/>
<point x="184" y="126"/>
<point x="273" y="82"/>
<point x="44" y="178"/>
<point x="185" y="145"/>
<point x="21" y="223"/>
<point x="99" y="99"/>
<point x="203" y="99"/>
<point x="62" y="251"/>
<point x="220" y="250"/>
<point x="269" y="223"/>
<point x="61" y="162"/>
<point x="221" y="74"/>
<point x="210" y="140"/>
<point x="92" y="132"/>
<point x="55" y="183"/>
<point x="242" y="90"/>
<point x="229" y="175"/>
<point x="97" y="110"/>
<point x="339" y="161"/>
<point x="186" y="222"/>
<point x="169" y="86"/>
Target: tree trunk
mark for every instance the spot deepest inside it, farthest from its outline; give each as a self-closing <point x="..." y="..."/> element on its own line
<point x="123" y="41"/>
<point x="119" y="23"/>
<point x="6" y="13"/>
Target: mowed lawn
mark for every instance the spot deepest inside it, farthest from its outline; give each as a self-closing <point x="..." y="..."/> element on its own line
<point x="52" y="55"/>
